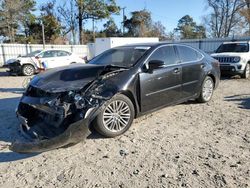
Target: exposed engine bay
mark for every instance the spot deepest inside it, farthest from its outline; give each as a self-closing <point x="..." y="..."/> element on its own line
<point x="52" y="117"/>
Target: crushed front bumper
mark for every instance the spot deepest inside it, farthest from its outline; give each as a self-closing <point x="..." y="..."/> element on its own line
<point x="73" y="133"/>
<point x="14" y="68"/>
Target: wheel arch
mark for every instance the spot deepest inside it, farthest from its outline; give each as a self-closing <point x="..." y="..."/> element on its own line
<point x="213" y="78"/>
<point x="129" y="94"/>
<point x="22" y="65"/>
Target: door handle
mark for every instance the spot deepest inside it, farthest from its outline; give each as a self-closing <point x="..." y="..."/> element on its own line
<point x="176" y="71"/>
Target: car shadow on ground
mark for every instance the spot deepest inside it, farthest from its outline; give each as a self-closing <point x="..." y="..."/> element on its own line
<point x="95" y="135"/>
<point x="3" y="72"/>
<point x="12" y="90"/>
<point x="228" y="77"/>
<point x="243" y="101"/>
<point x="12" y="156"/>
<point x="9" y="130"/>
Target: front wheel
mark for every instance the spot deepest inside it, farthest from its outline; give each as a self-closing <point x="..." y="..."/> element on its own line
<point x="207" y="89"/>
<point x="116" y="117"/>
<point x="28" y="70"/>
<point x="246" y="73"/>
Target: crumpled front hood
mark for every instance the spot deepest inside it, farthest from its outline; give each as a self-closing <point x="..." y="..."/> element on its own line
<point x="67" y="78"/>
<point x="10" y="61"/>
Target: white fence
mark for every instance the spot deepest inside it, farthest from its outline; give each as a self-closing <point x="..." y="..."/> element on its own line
<point x="9" y="51"/>
<point x="209" y="45"/>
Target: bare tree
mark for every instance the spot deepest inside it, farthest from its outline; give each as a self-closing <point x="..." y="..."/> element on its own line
<point x="68" y="17"/>
<point x="225" y="16"/>
<point x="245" y="12"/>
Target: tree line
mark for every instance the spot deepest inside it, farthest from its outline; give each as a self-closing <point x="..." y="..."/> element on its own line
<point x="20" y="24"/>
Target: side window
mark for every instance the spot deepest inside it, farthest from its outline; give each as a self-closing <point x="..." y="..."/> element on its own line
<point x="166" y="54"/>
<point x="40" y="55"/>
<point x="49" y="54"/>
<point x="62" y="53"/>
<point x="188" y="54"/>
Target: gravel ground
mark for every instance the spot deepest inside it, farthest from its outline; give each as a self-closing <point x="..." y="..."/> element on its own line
<point x="188" y="145"/>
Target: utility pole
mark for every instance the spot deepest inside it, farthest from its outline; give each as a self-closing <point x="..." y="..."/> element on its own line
<point x="123" y="18"/>
<point x="93" y="25"/>
<point x="43" y="35"/>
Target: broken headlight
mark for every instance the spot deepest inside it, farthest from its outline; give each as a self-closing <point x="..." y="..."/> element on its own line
<point x="77" y="99"/>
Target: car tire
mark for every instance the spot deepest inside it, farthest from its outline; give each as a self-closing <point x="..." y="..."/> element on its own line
<point x="246" y="73"/>
<point x="28" y="70"/>
<point x="207" y="89"/>
<point x="116" y="117"/>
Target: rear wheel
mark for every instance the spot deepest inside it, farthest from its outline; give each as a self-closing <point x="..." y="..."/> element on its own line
<point x="28" y="70"/>
<point x="207" y="89"/>
<point x="246" y="73"/>
<point x="116" y="117"/>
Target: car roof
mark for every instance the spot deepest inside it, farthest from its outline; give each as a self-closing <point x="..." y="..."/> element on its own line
<point x="55" y="50"/>
<point x="155" y="44"/>
<point x="235" y="42"/>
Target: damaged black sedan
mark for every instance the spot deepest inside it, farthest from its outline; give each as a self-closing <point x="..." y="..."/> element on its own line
<point x="60" y="106"/>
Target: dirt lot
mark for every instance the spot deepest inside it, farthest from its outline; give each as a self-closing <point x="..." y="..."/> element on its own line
<point x="188" y="145"/>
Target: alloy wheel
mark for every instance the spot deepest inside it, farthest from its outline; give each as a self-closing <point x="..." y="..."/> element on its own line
<point x="247" y="72"/>
<point x="116" y="116"/>
<point x="28" y="70"/>
<point x="207" y="90"/>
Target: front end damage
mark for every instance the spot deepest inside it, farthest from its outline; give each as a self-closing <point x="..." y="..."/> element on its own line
<point x="55" y="119"/>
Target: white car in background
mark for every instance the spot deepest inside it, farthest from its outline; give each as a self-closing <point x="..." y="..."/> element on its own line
<point x="234" y="58"/>
<point x="40" y="60"/>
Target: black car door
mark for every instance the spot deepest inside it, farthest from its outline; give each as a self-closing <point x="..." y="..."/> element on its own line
<point x="161" y="86"/>
<point x="192" y="70"/>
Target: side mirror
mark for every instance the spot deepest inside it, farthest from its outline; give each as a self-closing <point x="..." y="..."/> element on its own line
<point x="155" y="64"/>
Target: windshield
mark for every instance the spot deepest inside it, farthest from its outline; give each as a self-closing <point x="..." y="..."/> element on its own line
<point x="234" y="47"/>
<point x="32" y="54"/>
<point x="121" y="57"/>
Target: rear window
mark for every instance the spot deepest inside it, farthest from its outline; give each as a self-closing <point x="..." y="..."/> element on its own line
<point x="233" y="47"/>
<point x="188" y="54"/>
